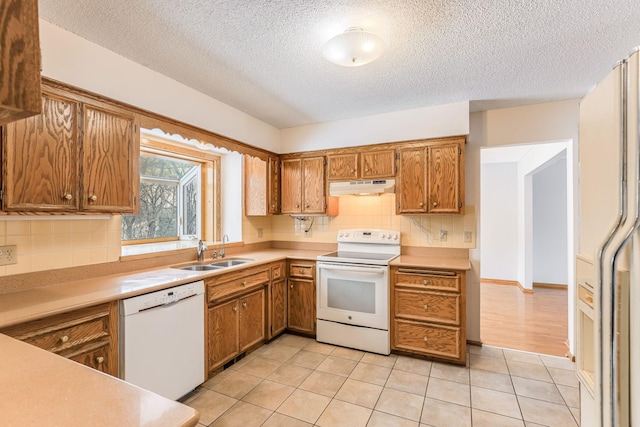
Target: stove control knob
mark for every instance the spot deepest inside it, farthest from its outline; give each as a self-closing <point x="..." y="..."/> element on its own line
<point x="395" y="237"/>
<point x="390" y="236"/>
<point x="341" y="235"/>
<point x="384" y="236"/>
<point x="346" y="234"/>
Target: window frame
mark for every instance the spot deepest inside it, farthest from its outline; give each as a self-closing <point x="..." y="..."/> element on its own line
<point x="210" y="222"/>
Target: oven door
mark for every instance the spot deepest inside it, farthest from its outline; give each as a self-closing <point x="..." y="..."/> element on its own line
<point x="353" y="294"/>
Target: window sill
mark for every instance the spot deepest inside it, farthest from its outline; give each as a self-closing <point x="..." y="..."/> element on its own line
<point x="154" y="248"/>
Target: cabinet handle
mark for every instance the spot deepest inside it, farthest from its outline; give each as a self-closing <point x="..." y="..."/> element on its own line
<point x="297" y="205"/>
<point x="244" y="283"/>
<point x="68" y="196"/>
<point x="100" y="360"/>
<point x="273" y="206"/>
<point x="235" y="308"/>
<point x="301" y="271"/>
<point x="353" y="171"/>
<point x="244" y="304"/>
<point x="292" y="286"/>
<point x="425" y="339"/>
<point x="421" y="204"/>
<point x="435" y="204"/>
<point x="366" y="169"/>
<point x="306" y="206"/>
<point x="93" y="198"/>
<point x="64" y="338"/>
<point x="426" y="282"/>
<point x="426" y="307"/>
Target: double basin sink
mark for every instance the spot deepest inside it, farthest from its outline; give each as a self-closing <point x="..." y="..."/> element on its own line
<point x="216" y="265"/>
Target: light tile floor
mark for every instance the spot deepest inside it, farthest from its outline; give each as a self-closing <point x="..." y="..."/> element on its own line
<point x="295" y="381"/>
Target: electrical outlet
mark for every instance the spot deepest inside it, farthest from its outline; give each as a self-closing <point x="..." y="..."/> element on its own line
<point x="8" y="255"/>
<point x="259" y="232"/>
<point x="467" y="237"/>
<point x="443" y="235"/>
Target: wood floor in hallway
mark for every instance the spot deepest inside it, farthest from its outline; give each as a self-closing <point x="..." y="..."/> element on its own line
<point x="532" y="322"/>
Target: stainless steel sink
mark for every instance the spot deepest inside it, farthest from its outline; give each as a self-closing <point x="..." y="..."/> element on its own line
<point x="230" y="263"/>
<point x="199" y="267"/>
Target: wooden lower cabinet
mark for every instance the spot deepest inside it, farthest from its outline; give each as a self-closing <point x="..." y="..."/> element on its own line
<point x="428" y="313"/>
<point x="301" y="301"/>
<point x="278" y="307"/>
<point x="88" y="336"/>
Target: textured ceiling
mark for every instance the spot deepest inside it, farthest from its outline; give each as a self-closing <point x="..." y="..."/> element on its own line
<point x="264" y="57"/>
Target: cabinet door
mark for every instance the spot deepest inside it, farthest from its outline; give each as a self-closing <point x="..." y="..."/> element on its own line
<point x="273" y="186"/>
<point x="41" y="158"/>
<point x="20" y="59"/>
<point x="444" y="178"/>
<point x="291" y="186"/>
<point x="252" y="317"/>
<point x="223" y="333"/>
<point x="301" y="308"/>
<point x="411" y="193"/>
<point x="378" y="164"/>
<point x="342" y="166"/>
<point x="255" y="186"/>
<point x="278" y="306"/>
<point x="313" y="185"/>
<point x="110" y="160"/>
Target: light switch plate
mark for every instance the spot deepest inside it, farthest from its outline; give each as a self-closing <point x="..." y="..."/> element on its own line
<point x="8" y="255"/>
<point x="443" y="235"/>
<point x="467" y="237"/>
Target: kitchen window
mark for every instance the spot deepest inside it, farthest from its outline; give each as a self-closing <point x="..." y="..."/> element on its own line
<point x="177" y="195"/>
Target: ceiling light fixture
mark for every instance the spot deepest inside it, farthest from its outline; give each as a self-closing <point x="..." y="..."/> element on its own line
<point x="353" y="48"/>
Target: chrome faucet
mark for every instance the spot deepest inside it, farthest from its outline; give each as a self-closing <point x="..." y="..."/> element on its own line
<point x="225" y="237"/>
<point x="201" y="248"/>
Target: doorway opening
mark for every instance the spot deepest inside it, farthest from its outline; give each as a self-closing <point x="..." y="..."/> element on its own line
<point x="527" y="247"/>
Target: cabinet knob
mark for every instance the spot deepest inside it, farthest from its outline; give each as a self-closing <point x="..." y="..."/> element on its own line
<point x="235" y="308"/>
<point x="93" y="198"/>
<point x="273" y="206"/>
<point x="435" y="204"/>
<point x="302" y="271"/>
<point x="425" y="282"/>
<point x="100" y="360"/>
<point x="64" y="338"/>
<point x="244" y="283"/>
<point x="426" y="307"/>
<point x="425" y="339"/>
<point x="353" y="171"/>
<point x="292" y="286"/>
<point x="67" y="196"/>
<point x="306" y="206"/>
<point x="366" y="169"/>
<point x="297" y="205"/>
<point x="421" y="204"/>
<point x="244" y="304"/>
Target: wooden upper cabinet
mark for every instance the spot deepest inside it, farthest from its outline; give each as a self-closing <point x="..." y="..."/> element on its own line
<point x="40" y="156"/>
<point x="411" y="188"/>
<point x="20" y="58"/>
<point x="110" y="160"/>
<point x="376" y="164"/>
<point x="77" y="156"/>
<point x="444" y="178"/>
<point x="342" y="166"/>
<point x="303" y="186"/>
<point x="431" y="179"/>
<point x="261" y="186"/>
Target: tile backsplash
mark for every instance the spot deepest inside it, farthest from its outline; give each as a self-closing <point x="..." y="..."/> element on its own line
<point x="44" y="244"/>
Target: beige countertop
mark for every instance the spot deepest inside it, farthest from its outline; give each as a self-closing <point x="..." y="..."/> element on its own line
<point x="435" y="262"/>
<point x="42" y="389"/>
<point x="23" y="306"/>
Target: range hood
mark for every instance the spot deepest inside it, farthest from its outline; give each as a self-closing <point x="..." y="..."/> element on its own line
<point x="376" y="186"/>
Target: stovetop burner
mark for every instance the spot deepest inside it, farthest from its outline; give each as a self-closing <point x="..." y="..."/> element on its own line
<point x="365" y="246"/>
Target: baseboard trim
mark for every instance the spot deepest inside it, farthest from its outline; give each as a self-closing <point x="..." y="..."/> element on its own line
<point x="508" y="283"/>
<point x="474" y="342"/>
<point x="558" y="286"/>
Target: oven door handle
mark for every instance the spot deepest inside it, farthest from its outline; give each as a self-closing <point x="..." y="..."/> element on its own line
<point x="372" y="270"/>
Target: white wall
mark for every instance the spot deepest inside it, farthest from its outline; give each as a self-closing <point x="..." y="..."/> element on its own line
<point x="550" y="224"/>
<point x="231" y="192"/>
<point x="419" y="123"/>
<point x="499" y="226"/>
<point x="69" y="58"/>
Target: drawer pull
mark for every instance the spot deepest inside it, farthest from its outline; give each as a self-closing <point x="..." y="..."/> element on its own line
<point x="244" y="304"/>
<point x="426" y="282"/>
<point x="235" y="308"/>
<point x="589" y="299"/>
<point x="68" y="196"/>
<point x="64" y="338"/>
<point x="100" y="360"/>
<point x="301" y="271"/>
<point x="425" y="339"/>
<point x="244" y="283"/>
<point x="426" y="307"/>
<point x="292" y="286"/>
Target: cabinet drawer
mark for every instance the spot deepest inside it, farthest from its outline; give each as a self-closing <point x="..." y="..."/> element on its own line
<point x="57" y="336"/>
<point x="278" y="271"/>
<point x="585" y="295"/>
<point x="305" y="270"/>
<point x="428" y="306"/>
<point x="95" y="356"/>
<point x="443" y="281"/>
<point x="440" y="341"/>
<point x="216" y="292"/>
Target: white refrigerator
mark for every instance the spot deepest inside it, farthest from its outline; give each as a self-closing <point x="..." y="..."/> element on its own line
<point x="608" y="260"/>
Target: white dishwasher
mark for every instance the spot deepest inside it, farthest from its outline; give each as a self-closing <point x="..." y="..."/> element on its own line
<point x="162" y="340"/>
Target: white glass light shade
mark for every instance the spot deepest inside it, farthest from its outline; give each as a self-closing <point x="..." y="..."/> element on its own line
<point x="354" y="47"/>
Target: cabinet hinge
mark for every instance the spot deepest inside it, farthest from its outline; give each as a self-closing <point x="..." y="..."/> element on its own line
<point x="459" y="150"/>
<point x="398" y="205"/>
<point x="459" y="205"/>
